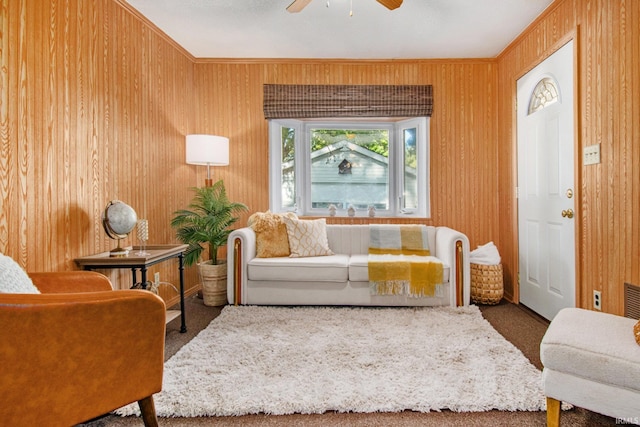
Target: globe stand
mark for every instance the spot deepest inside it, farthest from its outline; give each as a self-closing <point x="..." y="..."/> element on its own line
<point x="119" y="251"/>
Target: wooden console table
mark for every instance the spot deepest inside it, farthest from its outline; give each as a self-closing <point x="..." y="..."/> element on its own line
<point x="157" y="254"/>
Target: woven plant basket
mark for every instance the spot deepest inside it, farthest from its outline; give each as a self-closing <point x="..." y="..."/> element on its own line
<point x="486" y="284"/>
<point x="214" y="283"/>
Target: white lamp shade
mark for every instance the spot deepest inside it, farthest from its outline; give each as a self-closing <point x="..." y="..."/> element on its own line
<point x="207" y="150"/>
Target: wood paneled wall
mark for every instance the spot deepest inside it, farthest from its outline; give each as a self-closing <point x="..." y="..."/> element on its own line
<point x="463" y="127"/>
<point x="95" y="103"/>
<point x="94" y="107"/>
<point x="608" y="89"/>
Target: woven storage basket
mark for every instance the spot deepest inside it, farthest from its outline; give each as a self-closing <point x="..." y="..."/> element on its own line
<point x="486" y="284"/>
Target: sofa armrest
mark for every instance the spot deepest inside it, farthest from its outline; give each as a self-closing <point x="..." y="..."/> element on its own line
<point x="452" y="247"/>
<point x="70" y="357"/>
<point x="70" y="281"/>
<point x="241" y="247"/>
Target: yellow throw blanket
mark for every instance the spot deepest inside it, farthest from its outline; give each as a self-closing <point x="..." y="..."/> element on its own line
<point x="400" y="262"/>
<point x="394" y="239"/>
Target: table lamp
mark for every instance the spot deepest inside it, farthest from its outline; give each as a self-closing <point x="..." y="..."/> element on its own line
<point x="208" y="150"/>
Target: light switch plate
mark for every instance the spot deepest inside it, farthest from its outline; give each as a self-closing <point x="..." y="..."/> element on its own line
<point x="592" y="154"/>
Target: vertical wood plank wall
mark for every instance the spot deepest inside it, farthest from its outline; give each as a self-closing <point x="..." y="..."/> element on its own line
<point x="463" y="136"/>
<point x="95" y="103"/>
<point x="608" y="89"/>
<point x="93" y="107"/>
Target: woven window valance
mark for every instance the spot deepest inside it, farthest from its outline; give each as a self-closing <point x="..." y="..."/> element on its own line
<point x="315" y="101"/>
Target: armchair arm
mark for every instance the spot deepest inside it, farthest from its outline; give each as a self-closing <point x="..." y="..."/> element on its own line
<point x="67" y="358"/>
<point x="70" y="281"/>
<point x="242" y="247"/>
<point x="447" y="250"/>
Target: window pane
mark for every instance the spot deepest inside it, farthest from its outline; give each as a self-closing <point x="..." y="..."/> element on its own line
<point x="544" y="94"/>
<point x="350" y="167"/>
<point x="371" y="163"/>
<point x="410" y="165"/>
<point x="288" y="167"/>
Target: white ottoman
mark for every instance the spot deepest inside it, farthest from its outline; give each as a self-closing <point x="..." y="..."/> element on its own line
<point x="592" y="361"/>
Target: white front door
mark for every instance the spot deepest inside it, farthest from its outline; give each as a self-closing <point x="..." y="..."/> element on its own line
<point x="546" y="193"/>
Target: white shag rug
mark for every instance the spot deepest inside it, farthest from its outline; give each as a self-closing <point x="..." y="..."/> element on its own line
<point x="281" y="360"/>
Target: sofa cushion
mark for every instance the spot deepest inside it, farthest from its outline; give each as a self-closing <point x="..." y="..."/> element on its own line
<point x="359" y="269"/>
<point x="271" y="233"/>
<point x="332" y="268"/>
<point x="307" y="238"/>
<point x="13" y="279"/>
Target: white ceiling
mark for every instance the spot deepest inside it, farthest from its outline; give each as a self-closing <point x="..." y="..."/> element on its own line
<point x="418" y="29"/>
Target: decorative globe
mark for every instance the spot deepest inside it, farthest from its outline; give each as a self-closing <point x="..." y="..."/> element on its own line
<point x="118" y="219"/>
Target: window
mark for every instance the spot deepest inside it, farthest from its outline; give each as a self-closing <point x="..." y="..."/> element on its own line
<point x="377" y="166"/>
<point x="544" y="94"/>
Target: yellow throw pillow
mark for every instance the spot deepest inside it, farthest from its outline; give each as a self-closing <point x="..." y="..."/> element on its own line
<point x="271" y="234"/>
<point x="636" y="332"/>
<point x="307" y="237"/>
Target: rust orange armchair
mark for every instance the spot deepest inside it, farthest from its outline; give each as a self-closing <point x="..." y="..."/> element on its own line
<point x="78" y="350"/>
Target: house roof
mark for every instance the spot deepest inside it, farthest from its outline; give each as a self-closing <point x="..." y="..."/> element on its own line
<point x="325" y="29"/>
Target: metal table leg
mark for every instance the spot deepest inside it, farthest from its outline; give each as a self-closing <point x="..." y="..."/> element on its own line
<point x="183" y="326"/>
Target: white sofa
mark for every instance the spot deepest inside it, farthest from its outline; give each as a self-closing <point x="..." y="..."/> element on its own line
<point x="339" y="279"/>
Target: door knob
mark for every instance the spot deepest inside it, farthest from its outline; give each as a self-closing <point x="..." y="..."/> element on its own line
<point x="568" y="213"/>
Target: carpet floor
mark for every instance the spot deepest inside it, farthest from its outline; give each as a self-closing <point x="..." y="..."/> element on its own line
<point x="311" y="360"/>
<point x="517" y="324"/>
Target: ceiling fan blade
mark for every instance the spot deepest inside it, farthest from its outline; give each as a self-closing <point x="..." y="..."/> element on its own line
<point x="298" y="5"/>
<point x="390" y="4"/>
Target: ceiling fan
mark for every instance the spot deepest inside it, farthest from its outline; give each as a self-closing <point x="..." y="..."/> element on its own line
<point x="298" y="5"/>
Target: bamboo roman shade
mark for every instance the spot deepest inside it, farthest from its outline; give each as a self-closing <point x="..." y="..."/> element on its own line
<point x="316" y="101"/>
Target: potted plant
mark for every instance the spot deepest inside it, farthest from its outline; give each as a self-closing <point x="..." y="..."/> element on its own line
<point x="205" y="226"/>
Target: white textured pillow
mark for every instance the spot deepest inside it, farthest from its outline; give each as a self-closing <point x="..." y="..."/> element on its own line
<point x="307" y="237"/>
<point x="13" y="279"/>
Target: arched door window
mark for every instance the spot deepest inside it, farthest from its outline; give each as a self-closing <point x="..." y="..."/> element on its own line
<point x="544" y="94"/>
